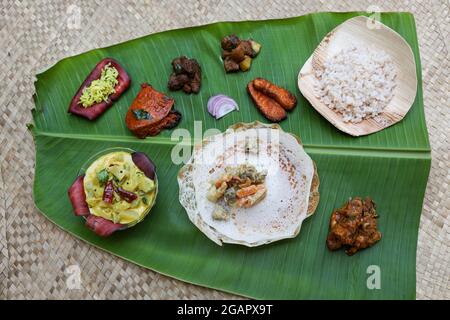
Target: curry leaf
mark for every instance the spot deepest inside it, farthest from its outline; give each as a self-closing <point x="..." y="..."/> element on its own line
<point x="140" y="114"/>
<point x="103" y="176"/>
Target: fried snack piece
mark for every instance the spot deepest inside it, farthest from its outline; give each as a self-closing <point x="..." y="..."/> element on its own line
<point x="151" y="112"/>
<point x="286" y="99"/>
<point x="354" y="226"/>
<point x="267" y="106"/>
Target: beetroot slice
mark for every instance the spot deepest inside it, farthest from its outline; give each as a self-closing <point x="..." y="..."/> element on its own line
<point x="97" y="109"/>
<point x="144" y="163"/>
<point x="101" y="226"/>
<point x="78" y="197"/>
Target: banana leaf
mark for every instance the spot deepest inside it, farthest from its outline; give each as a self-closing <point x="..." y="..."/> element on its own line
<point x="391" y="166"/>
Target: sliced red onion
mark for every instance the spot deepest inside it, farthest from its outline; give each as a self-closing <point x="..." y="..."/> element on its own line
<point x="220" y="105"/>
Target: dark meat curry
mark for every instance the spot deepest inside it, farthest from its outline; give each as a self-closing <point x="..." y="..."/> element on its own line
<point x="238" y="54"/>
<point x="186" y="75"/>
<point x="354" y="226"/>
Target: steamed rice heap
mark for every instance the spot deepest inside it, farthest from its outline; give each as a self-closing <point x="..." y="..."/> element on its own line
<point x="358" y="82"/>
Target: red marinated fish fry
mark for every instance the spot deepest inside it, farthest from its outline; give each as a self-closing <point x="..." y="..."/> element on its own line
<point x="158" y="108"/>
<point x="267" y="106"/>
<point x="286" y="99"/>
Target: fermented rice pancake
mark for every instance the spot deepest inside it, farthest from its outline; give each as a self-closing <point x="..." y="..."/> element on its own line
<point x="289" y="177"/>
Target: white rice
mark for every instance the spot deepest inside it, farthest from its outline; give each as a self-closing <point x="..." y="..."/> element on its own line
<point x="358" y="82"/>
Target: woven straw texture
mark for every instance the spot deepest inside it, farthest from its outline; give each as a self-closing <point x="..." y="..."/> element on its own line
<point x="34" y="253"/>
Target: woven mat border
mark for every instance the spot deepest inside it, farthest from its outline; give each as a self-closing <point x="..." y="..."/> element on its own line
<point x="35" y="254"/>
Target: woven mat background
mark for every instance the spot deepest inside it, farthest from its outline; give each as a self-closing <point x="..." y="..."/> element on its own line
<point x="34" y="253"/>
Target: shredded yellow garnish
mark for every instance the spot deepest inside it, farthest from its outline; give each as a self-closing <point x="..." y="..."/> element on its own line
<point x="100" y="89"/>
